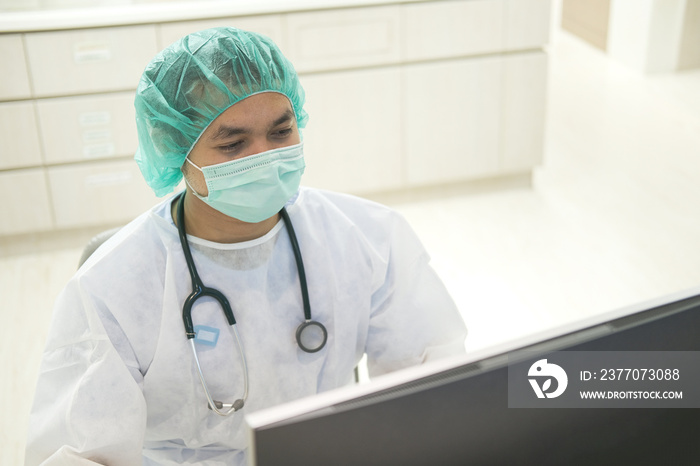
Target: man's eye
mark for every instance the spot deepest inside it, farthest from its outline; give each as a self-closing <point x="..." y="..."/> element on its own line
<point x="231" y="147"/>
<point x="284" y="132"/>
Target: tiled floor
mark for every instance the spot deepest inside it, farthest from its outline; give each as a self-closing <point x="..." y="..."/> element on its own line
<point x="611" y="218"/>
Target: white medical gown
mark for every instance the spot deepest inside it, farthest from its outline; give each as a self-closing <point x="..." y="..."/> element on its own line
<point x="118" y="382"/>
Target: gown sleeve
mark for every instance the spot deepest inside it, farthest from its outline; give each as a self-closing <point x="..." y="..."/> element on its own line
<point x="88" y="407"/>
<point x="413" y="318"/>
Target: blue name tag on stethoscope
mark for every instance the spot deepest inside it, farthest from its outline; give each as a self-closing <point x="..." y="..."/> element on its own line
<point x="206" y="335"/>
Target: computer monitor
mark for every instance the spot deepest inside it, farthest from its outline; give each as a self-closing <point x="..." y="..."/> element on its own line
<point x="456" y="412"/>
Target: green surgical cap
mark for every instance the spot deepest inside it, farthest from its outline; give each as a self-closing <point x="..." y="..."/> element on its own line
<point x="190" y="83"/>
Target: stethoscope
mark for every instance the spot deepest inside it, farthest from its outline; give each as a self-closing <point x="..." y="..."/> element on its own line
<point x="311" y="335"/>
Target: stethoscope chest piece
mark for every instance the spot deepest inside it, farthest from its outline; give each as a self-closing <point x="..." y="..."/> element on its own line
<point x="311" y="336"/>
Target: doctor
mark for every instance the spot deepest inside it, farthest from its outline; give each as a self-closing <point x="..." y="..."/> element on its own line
<point x="120" y="378"/>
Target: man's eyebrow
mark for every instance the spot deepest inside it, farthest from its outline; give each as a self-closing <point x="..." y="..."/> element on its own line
<point x="286" y="116"/>
<point x="226" y="132"/>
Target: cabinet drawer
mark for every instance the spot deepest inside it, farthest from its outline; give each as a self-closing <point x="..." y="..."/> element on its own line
<point x="527" y="23"/>
<point x="452" y="130"/>
<point x="98" y="193"/>
<point x="270" y="26"/>
<point x="352" y="141"/>
<point x="89" y="60"/>
<point x="344" y="38"/>
<point x="452" y="29"/>
<point x="19" y="138"/>
<point x="29" y="209"/>
<point x="79" y="128"/>
<point x="14" y="81"/>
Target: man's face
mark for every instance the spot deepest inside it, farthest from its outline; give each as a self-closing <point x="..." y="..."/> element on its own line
<point x="256" y="124"/>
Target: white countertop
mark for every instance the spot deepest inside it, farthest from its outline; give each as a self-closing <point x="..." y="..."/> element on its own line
<point x="154" y="11"/>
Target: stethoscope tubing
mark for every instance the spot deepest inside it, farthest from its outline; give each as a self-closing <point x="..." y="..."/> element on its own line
<point x="198" y="288"/>
<point x="214" y="405"/>
<point x="300" y="264"/>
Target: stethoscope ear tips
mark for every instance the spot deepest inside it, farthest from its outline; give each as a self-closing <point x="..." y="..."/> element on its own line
<point x="311" y="336"/>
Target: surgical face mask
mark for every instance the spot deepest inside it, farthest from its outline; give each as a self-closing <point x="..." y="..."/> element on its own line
<point x="256" y="187"/>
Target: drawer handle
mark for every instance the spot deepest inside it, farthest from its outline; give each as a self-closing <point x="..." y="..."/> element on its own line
<point x="94" y="136"/>
<point x="95" y="151"/>
<point x="108" y="179"/>
<point x="95" y="118"/>
<point x="91" y="52"/>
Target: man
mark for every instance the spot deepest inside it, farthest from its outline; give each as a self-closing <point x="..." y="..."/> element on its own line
<point x="120" y="381"/>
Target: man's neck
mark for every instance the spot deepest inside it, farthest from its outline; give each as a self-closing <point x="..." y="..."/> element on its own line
<point x="205" y="222"/>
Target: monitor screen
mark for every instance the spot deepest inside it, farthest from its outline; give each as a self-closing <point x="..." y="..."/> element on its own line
<point x="457" y="412"/>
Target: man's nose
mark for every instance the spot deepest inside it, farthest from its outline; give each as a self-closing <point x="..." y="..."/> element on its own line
<point x="261" y="145"/>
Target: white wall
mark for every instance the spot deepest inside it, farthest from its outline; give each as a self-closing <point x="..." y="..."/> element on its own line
<point x="646" y="34"/>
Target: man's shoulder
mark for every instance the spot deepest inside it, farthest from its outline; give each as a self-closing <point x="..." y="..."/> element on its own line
<point x="134" y="246"/>
<point x="344" y="204"/>
<point x="344" y="216"/>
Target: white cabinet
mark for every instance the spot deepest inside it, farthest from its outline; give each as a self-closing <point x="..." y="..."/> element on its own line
<point x="400" y="94"/>
<point x="19" y="138"/>
<point x="98" y="193"/>
<point x="352" y="141"/>
<point x="270" y="26"/>
<point x="526" y="24"/>
<point x="341" y="39"/>
<point x="485" y="116"/>
<point x="452" y="120"/>
<point x="14" y="81"/>
<point x="523" y="111"/>
<point x="454" y="29"/>
<point x="449" y="29"/>
<point x="89" y="60"/>
<point x="25" y="207"/>
<point x="90" y="127"/>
